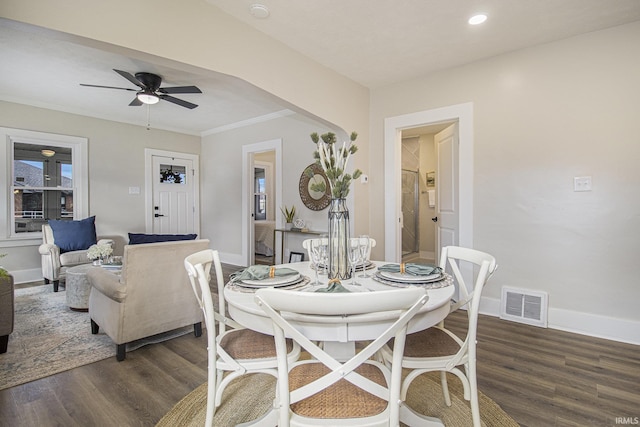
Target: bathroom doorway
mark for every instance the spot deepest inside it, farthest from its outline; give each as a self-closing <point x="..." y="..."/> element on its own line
<point x="410" y="213"/>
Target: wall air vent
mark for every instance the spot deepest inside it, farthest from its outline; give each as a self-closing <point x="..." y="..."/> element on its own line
<point x="524" y="306"/>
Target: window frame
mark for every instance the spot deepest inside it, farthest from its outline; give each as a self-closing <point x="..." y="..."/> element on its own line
<point x="80" y="176"/>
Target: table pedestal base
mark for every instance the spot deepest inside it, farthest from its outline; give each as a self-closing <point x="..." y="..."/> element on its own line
<point x="341" y="351"/>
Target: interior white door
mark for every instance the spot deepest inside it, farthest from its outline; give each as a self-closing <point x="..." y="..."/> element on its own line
<point x="447" y="202"/>
<point x="173" y="195"/>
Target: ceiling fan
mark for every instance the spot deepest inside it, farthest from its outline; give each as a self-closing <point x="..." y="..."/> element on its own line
<point x="150" y="91"/>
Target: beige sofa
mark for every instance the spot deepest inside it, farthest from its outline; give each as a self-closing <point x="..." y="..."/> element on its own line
<point x="151" y="295"/>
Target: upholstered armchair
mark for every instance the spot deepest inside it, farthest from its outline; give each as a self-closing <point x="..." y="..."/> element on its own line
<point x="57" y="257"/>
<point x="6" y="310"/>
<point x="151" y="295"/>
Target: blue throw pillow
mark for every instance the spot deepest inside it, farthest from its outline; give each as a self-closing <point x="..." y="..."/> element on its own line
<point x="74" y="235"/>
<point x="138" y="238"/>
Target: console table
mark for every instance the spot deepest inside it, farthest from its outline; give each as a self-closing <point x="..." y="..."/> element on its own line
<point x="282" y="232"/>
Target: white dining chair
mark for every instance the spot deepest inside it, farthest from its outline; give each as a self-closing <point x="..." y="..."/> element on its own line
<point x="437" y="348"/>
<point x="233" y="350"/>
<point x="322" y="390"/>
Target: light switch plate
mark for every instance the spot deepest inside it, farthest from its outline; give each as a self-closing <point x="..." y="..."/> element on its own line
<point x="581" y="183"/>
<point x="134" y="190"/>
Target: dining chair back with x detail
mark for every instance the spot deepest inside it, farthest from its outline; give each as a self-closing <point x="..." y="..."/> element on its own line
<point x="322" y="390"/>
<point x="437" y="348"/>
<point x="234" y="349"/>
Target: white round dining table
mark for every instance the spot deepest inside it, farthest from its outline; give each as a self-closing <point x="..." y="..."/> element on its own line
<point x="340" y="337"/>
<point x="243" y="309"/>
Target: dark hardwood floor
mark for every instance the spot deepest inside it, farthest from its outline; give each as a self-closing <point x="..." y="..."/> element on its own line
<point x="541" y="377"/>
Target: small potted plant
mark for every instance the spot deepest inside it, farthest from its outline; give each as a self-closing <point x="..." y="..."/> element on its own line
<point x="289" y="215"/>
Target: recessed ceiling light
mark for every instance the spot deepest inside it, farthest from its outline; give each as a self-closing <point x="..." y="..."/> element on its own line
<point x="259" y="11"/>
<point x="477" y="19"/>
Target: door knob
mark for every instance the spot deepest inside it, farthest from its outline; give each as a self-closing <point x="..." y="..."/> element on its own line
<point x="434" y="219"/>
<point x="157" y="215"/>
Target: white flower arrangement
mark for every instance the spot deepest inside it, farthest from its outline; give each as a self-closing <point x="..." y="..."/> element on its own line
<point x="333" y="160"/>
<point x="99" y="251"/>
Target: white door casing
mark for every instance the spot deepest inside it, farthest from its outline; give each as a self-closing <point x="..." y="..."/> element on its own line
<point x="463" y="115"/>
<point x="172" y="208"/>
<point x="247" y="256"/>
<point x="447" y="195"/>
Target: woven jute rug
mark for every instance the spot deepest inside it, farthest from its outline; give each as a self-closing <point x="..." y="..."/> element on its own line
<point x="49" y="338"/>
<point x="250" y="396"/>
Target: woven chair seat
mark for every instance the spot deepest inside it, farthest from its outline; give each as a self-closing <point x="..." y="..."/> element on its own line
<point x="432" y="342"/>
<point x="248" y="344"/>
<point x="340" y="400"/>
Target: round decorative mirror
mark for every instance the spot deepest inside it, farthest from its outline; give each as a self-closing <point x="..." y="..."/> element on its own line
<point x="314" y="200"/>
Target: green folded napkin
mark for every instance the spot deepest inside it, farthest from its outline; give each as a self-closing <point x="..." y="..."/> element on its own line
<point x="412" y="268"/>
<point x="334" y="287"/>
<point x="261" y="272"/>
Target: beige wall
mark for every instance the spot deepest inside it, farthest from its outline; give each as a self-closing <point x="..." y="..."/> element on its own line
<point x="116" y="162"/>
<point x="542" y="116"/>
<point x="222" y="185"/>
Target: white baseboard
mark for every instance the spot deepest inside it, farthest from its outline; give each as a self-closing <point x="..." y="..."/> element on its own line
<point x="610" y="328"/>
<point x="26" y="276"/>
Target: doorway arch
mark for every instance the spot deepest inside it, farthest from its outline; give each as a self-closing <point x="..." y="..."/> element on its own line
<point x="393" y="126"/>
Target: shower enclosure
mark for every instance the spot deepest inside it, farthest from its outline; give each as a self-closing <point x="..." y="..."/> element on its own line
<point x="410" y="212"/>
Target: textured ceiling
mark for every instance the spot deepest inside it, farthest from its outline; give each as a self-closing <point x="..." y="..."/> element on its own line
<point x="375" y="43"/>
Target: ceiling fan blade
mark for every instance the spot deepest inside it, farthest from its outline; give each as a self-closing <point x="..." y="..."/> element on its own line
<point x="130" y="77"/>
<point x="109" y="87"/>
<point x="135" y="103"/>
<point x="177" y="101"/>
<point x="180" y="89"/>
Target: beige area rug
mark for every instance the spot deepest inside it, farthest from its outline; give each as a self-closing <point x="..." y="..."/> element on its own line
<point x="49" y="338"/>
<point x="249" y="397"/>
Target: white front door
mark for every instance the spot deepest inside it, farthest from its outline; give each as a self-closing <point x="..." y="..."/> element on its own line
<point x="447" y="202"/>
<point x="174" y="208"/>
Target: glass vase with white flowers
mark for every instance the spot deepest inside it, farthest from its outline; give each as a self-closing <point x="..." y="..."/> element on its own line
<point x="333" y="158"/>
<point x="99" y="253"/>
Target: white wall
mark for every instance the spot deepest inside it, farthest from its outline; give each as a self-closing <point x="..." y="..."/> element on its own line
<point x="542" y="116"/>
<point x="116" y="162"/>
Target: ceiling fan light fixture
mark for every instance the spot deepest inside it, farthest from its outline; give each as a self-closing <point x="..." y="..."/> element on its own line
<point x="48" y="153"/>
<point x="148" y="98"/>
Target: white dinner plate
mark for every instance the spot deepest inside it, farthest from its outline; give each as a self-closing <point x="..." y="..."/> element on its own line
<point x="273" y="281"/>
<point x="409" y="278"/>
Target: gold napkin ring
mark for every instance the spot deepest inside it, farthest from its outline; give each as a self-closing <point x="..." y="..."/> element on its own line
<point x="402" y="269"/>
<point x="272" y="272"/>
<point x="335" y="280"/>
